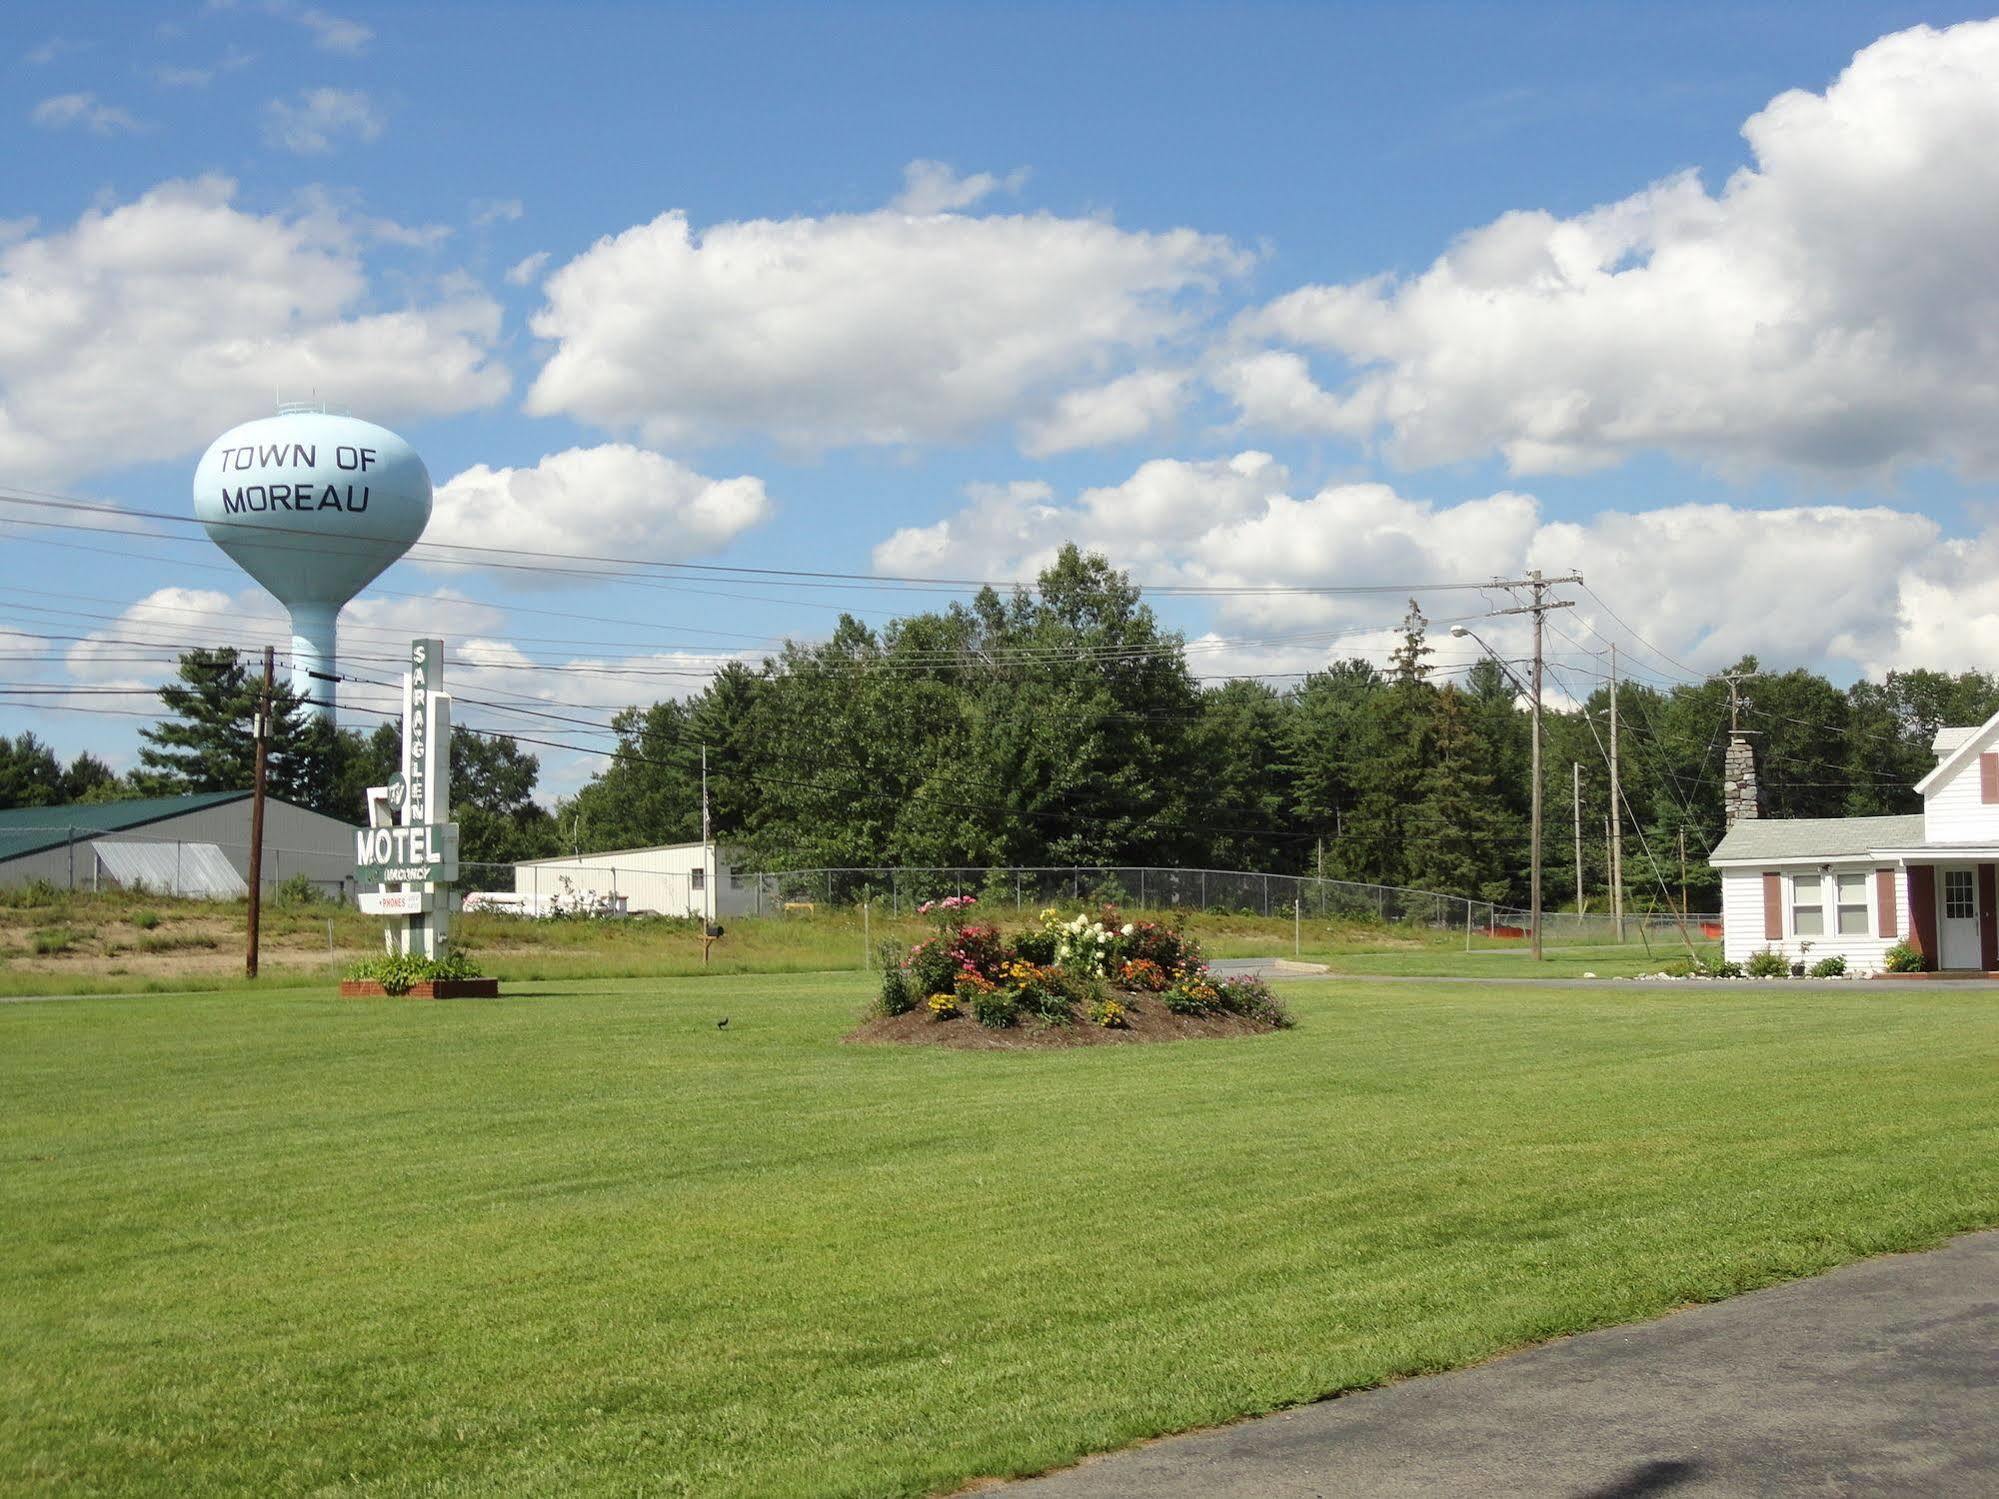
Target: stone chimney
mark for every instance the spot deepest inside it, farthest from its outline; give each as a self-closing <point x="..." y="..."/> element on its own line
<point x="1741" y="796"/>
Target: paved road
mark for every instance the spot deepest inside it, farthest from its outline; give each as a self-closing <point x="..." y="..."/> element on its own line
<point x="1878" y="1379"/>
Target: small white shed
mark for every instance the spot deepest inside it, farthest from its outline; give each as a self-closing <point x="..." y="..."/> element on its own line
<point x="674" y="879"/>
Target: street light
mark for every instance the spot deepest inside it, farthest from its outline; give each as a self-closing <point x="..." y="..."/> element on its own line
<point x="1533" y="694"/>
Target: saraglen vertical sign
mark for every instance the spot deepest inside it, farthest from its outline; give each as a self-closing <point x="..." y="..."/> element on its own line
<point x="410" y="841"/>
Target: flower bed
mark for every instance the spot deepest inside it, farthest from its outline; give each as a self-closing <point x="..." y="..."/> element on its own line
<point x="393" y="975"/>
<point x="1070" y="981"/>
<point x="422" y="989"/>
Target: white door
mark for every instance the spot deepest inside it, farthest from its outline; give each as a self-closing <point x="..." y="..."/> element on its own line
<point x="1957" y="917"/>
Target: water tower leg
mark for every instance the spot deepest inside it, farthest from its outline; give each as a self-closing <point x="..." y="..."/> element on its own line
<point x="313" y="628"/>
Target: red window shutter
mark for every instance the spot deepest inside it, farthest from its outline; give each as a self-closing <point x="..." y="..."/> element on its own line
<point x="1988" y="778"/>
<point x="1988" y="917"/>
<point x="1884" y="902"/>
<point x="1923" y="910"/>
<point x="1773" y="906"/>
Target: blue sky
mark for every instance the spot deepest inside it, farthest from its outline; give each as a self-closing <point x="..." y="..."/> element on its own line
<point x="1242" y="295"/>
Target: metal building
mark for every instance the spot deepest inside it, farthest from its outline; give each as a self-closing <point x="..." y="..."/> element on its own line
<point x="55" y="843"/>
<point x="676" y="879"/>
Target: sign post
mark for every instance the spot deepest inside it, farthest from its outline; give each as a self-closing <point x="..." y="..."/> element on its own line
<point x="410" y="847"/>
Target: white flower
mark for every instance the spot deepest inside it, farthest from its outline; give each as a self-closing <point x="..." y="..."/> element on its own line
<point x="1125" y="930"/>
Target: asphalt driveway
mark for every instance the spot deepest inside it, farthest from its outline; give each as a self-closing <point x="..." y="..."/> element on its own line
<point x="1881" y="1378"/>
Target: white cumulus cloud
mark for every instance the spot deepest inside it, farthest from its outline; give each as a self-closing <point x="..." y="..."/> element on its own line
<point x="1841" y="587"/>
<point x="1121" y="410"/>
<point x="83" y="112"/>
<point x="1830" y="308"/>
<point x="524" y="270"/>
<point x="873" y="328"/>
<point x="313" y="123"/>
<point x="149" y="326"/>
<point x="610" y="500"/>
<point x="934" y="187"/>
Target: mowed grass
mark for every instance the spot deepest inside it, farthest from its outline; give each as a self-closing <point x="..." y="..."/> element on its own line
<point x="1608" y="960"/>
<point x="581" y="1241"/>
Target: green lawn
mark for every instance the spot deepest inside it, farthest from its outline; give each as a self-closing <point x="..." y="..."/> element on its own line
<point x="581" y="1241"/>
<point x="1514" y="961"/>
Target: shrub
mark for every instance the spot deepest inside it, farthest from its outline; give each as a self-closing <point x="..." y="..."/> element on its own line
<point x="1193" y="996"/>
<point x="145" y="921"/>
<point x="1037" y="948"/>
<point x="397" y="972"/>
<point x="1109" y="1013"/>
<point x="895" y="997"/>
<point x="980" y="949"/>
<point x="995" y="1008"/>
<point x="1251" y="997"/>
<point x="300" y="891"/>
<point x="178" y="942"/>
<point x="35" y="893"/>
<point x="1768" y="964"/>
<point x="1083" y="944"/>
<point x="54" y="941"/>
<point x="930" y="966"/>
<point x="943" y="1006"/>
<point x="1727" y="968"/>
<point x="1143" y="975"/>
<point x="1903" y="957"/>
<point x="1166" y="946"/>
<point x="1829" y="968"/>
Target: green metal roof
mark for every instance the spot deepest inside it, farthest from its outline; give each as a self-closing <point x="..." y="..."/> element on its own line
<point x="30" y="830"/>
<point x="1818" y="837"/>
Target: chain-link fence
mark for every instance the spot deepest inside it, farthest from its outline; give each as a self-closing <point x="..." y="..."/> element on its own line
<point x="83" y="858"/>
<point x="1216" y="891"/>
<point x="713" y="888"/>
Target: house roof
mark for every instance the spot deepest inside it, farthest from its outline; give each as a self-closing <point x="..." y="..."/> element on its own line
<point x="1947" y="739"/>
<point x="1959" y="754"/>
<point x="1779" y="838"/>
<point x="30" y="830"/>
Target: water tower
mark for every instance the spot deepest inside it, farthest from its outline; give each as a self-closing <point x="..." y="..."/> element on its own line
<point x="313" y="506"/>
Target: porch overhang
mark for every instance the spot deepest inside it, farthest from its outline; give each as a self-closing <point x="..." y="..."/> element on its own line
<point x="1941" y="853"/>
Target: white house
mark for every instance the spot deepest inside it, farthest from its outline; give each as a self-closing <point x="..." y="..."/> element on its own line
<point x="1855" y="886"/>
<point x="675" y="879"/>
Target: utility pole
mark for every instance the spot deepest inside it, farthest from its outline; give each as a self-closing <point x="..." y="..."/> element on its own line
<point x="1576" y="766"/>
<point x="1616" y="811"/>
<point x="1539" y="608"/>
<point x="263" y="736"/>
<point x="1683" y="874"/>
<point x="707" y="846"/>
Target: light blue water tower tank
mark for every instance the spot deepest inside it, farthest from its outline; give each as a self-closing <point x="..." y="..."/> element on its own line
<point x="314" y="506"/>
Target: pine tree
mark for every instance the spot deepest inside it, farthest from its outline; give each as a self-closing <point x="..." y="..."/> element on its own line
<point x="1407" y="661"/>
<point x="1456" y="827"/>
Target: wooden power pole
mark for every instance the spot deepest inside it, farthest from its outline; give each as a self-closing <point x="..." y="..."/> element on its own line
<point x="1539" y="608"/>
<point x="263" y="737"/>
<point x="1616" y="811"/>
<point x="1576" y="767"/>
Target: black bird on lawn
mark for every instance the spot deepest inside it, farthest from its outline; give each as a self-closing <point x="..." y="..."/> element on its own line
<point x="722" y="1024"/>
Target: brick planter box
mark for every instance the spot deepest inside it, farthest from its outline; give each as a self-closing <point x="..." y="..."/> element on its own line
<point x="425" y="989"/>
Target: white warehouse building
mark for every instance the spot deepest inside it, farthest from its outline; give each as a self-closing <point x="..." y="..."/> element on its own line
<point x="674" y="879"/>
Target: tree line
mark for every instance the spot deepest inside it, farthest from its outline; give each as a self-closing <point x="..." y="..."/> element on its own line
<point x="1062" y="725"/>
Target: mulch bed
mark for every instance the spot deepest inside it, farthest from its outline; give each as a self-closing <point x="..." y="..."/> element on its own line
<point x="1149" y="1020"/>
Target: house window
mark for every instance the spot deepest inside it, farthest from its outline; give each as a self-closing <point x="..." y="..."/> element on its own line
<point x="700" y="879"/>
<point x="1850" y="890"/>
<point x="1807" y="905"/>
<point x="1957" y="899"/>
